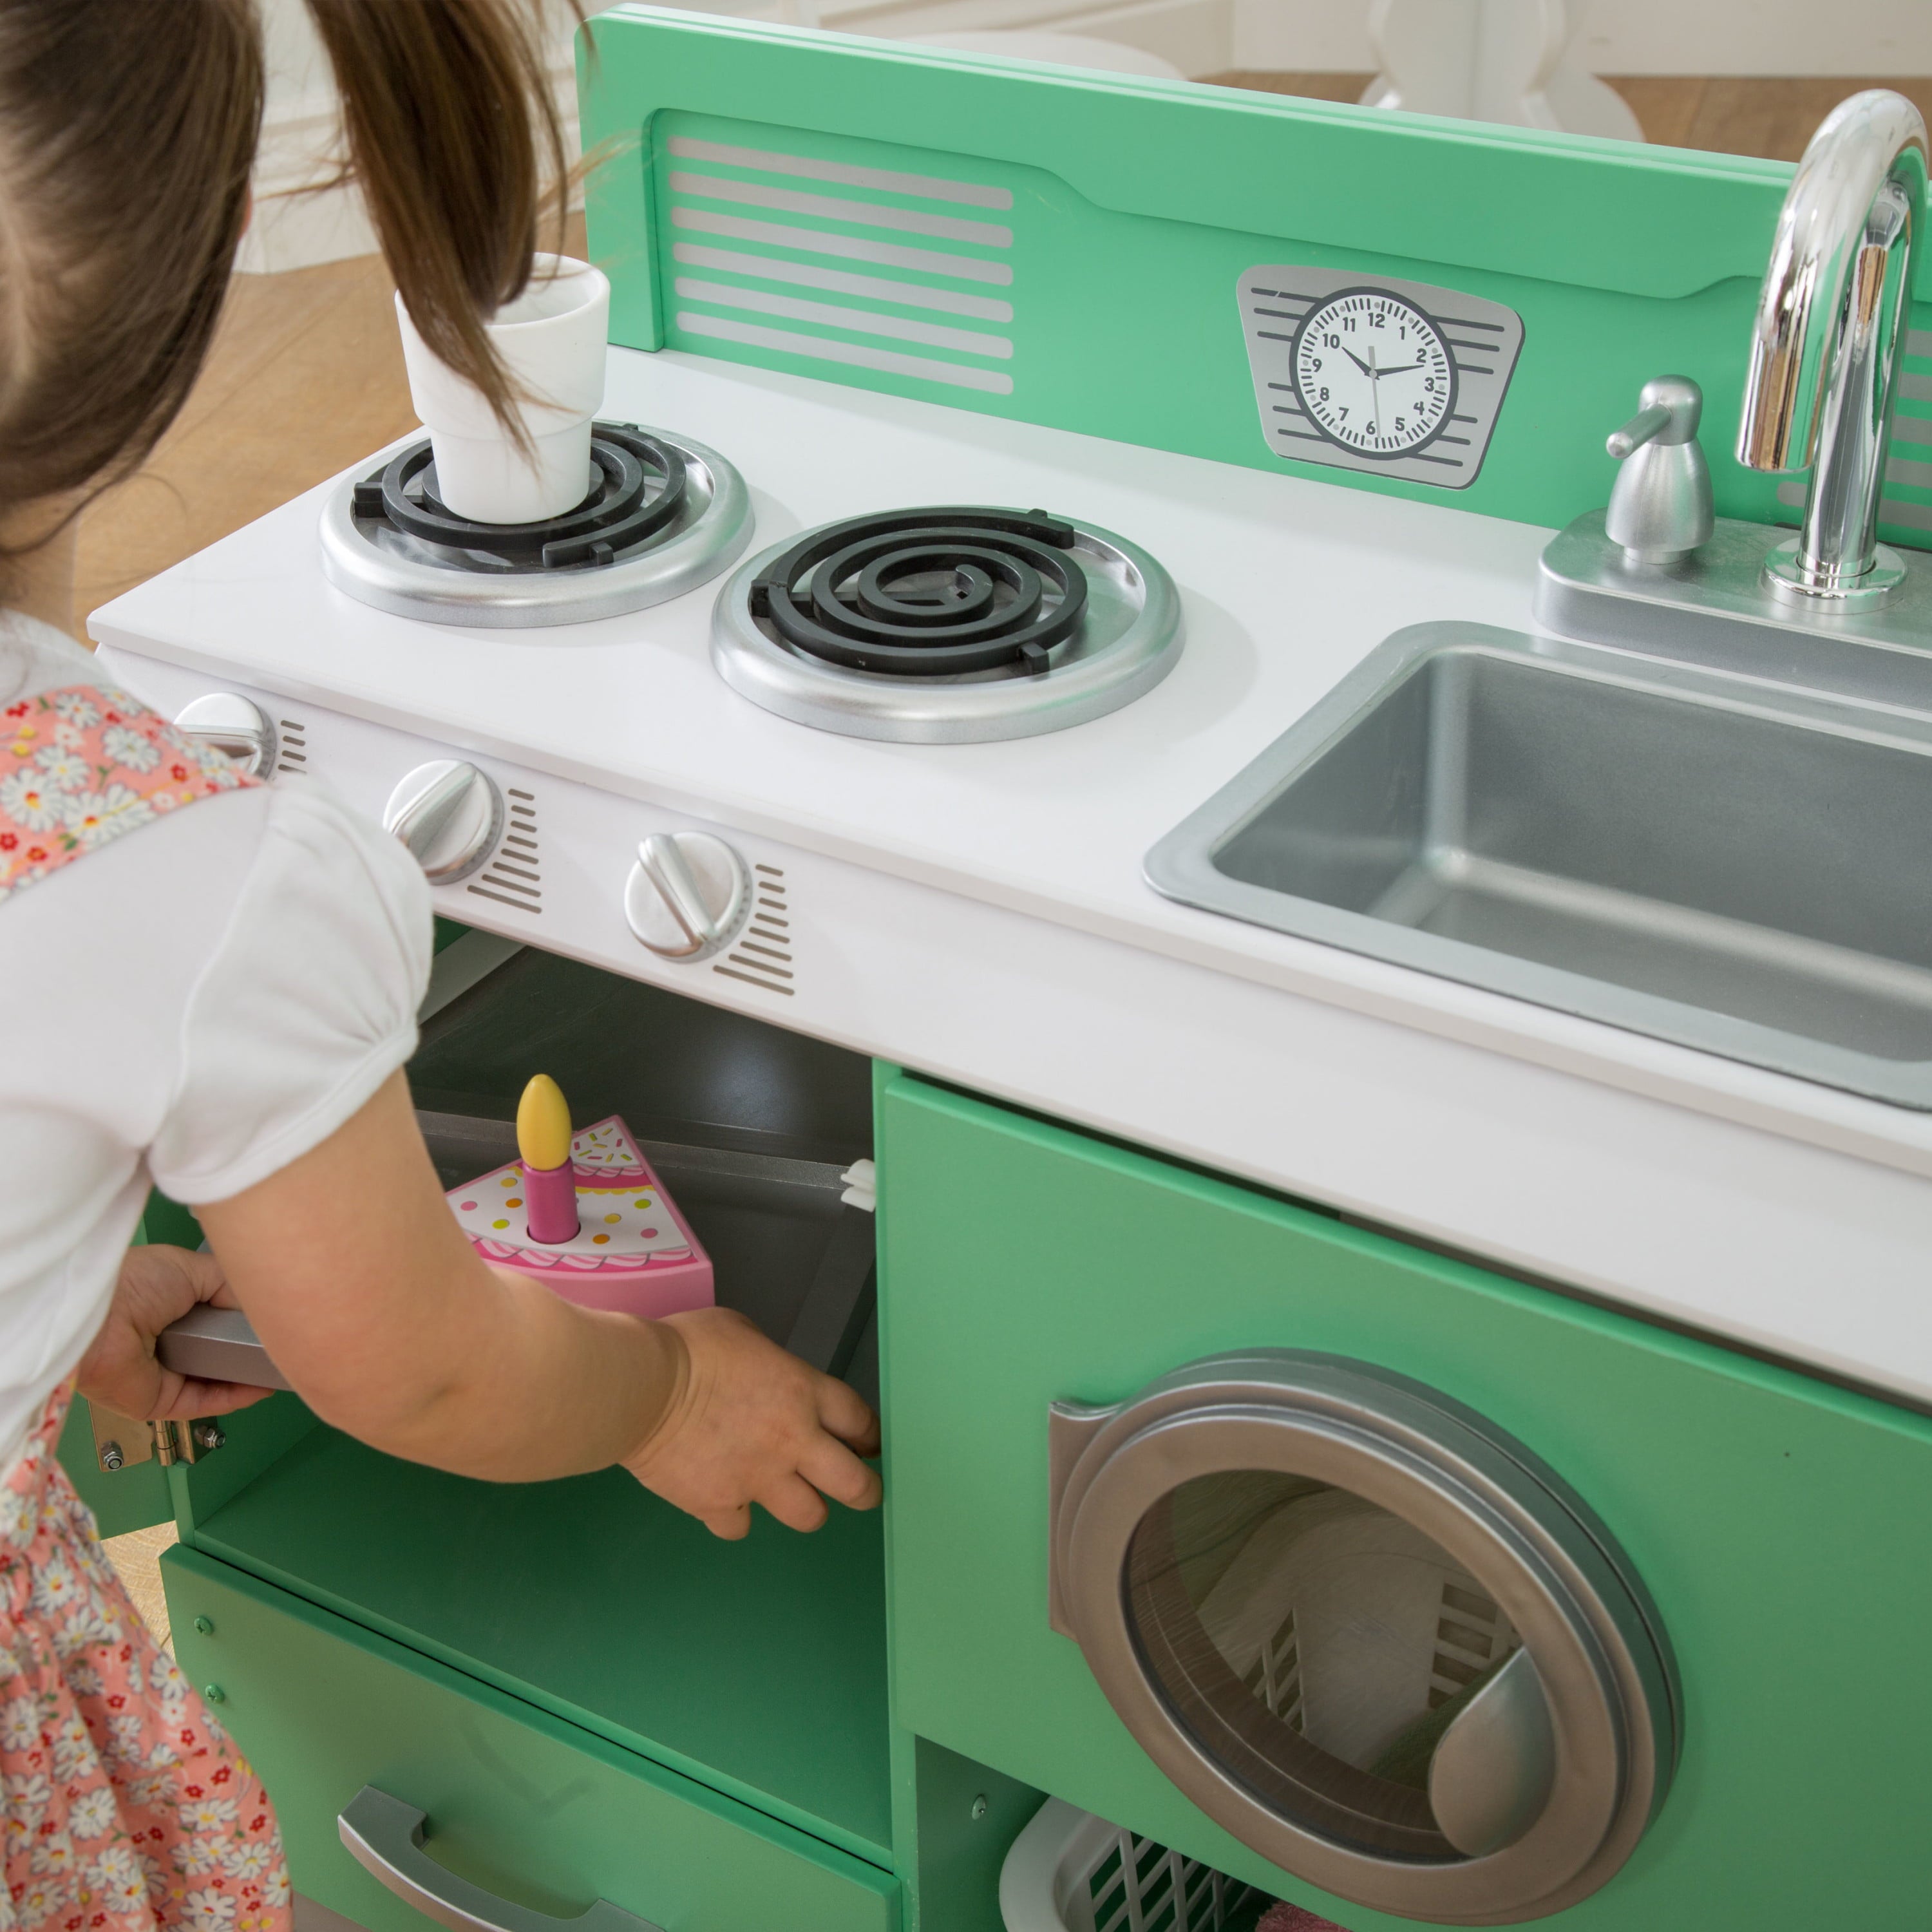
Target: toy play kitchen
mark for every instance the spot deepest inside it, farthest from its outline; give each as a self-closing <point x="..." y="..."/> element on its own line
<point x="1107" y="716"/>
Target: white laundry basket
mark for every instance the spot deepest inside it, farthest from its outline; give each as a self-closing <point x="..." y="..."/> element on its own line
<point x="1069" y="1871"/>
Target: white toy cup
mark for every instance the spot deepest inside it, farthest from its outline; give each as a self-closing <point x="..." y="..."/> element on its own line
<point x="552" y="340"/>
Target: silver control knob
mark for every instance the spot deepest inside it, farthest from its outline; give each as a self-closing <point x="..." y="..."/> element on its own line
<point x="231" y="723"/>
<point x="687" y="895"/>
<point x="449" y="814"/>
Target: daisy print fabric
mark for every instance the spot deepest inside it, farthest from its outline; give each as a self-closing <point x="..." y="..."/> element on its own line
<point x="124" y="1806"/>
<point x="82" y="767"/>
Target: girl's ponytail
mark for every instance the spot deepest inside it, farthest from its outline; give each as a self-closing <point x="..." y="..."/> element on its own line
<point x="127" y="129"/>
<point x="452" y="134"/>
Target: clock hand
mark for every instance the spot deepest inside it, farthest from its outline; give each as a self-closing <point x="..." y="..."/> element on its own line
<point x="1407" y="369"/>
<point x="1364" y="367"/>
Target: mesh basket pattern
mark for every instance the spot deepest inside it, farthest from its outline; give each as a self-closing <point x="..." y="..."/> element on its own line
<point x="1136" y="1885"/>
<point x="1068" y="1871"/>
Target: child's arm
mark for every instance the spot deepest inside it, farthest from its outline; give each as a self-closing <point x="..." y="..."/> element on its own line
<point x="397" y="1333"/>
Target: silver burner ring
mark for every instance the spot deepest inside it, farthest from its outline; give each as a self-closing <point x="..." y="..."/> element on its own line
<point x="378" y="566"/>
<point x="1131" y="640"/>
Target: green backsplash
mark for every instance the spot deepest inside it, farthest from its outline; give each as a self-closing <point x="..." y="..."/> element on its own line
<point x="1066" y="248"/>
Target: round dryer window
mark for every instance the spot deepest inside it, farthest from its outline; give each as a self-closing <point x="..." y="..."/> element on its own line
<point x="1367" y="1632"/>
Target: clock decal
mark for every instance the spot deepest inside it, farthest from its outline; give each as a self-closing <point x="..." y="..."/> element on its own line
<point x="1374" y="374"/>
<point x="1389" y="378"/>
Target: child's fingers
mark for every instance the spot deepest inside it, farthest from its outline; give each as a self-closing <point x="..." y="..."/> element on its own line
<point x="795" y="1503"/>
<point x="847" y="1414"/>
<point x="204" y="1274"/>
<point x="830" y="1467"/>
<point x="730" y="1526"/>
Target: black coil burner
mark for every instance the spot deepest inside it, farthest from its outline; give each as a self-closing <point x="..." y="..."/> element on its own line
<point x="618" y="513"/>
<point x="928" y="593"/>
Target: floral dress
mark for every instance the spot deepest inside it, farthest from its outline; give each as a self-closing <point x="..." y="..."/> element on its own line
<point x="82" y="767"/>
<point x="123" y="1805"/>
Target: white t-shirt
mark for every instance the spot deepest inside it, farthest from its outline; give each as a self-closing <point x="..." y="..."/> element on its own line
<point x="194" y="1005"/>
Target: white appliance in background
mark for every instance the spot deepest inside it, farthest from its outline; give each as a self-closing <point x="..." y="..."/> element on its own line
<point x="1035" y="43"/>
<point x="1512" y="61"/>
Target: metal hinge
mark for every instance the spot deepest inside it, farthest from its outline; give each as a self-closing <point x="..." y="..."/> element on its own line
<point x="121" y="1442"/>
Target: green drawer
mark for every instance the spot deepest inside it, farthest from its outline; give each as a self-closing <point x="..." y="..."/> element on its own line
<point x="521" y="1803"/>
<point x="1781" y="1525"/>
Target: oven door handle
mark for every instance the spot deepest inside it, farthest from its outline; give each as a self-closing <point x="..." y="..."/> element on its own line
<point x="385" y="1837"/>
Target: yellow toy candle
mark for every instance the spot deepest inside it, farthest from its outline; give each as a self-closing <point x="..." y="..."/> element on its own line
<point x="543" y="1144"/>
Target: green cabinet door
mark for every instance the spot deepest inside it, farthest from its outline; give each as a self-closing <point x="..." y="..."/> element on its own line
<point x="1782" y="1527"/>
<point x="525" y="1805"/>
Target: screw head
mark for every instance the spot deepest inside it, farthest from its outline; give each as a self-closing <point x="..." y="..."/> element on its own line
<point x="213" y="1694"/>
<point x="204" y="1626"/>
<point x="111" y="1458"/>
<point x="209" y="1435"/>
<point x="979" y="1806"/>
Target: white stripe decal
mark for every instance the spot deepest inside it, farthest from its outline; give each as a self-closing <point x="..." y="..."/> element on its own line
<point x="849" y="248"/>
<point x="806" y="274"/>
<point x="824" y="349"/>
<point x="836" y="208"/>
<point x="884" y="181"/>
<point x="863" y="321"/>
<point x="807" y="292"/>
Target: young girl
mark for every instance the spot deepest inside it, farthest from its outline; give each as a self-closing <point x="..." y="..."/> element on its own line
<point x="211" y="983"/>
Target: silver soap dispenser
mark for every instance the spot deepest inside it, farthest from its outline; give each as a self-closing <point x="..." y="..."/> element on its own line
<point x="1660" y="509"/>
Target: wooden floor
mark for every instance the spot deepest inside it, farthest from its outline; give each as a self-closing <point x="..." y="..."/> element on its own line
<point x="307" y="374"/>
<point x="1773" y="119"/>
<point x="136" y="1558"/>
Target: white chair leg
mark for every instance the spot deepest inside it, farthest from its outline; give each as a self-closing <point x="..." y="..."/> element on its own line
<point x="1505" y="60"/>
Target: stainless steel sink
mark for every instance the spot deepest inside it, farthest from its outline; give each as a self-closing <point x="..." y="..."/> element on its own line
<point x="1703" y="857"/>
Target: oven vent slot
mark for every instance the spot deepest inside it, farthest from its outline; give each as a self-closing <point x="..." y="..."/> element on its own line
<point x="762" y="956"/>
<point x="291" y="745"/>
<point x="514" y="876"/>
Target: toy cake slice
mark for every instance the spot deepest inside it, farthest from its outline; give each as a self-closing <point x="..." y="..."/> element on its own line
<point x="633" y="1250"/>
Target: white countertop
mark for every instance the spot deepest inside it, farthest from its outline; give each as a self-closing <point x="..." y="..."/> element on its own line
<point x="1286" y="585"/>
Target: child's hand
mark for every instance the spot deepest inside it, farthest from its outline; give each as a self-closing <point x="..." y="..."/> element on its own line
<point x="158" y="1285"/>
<point x="750" y="1424"/>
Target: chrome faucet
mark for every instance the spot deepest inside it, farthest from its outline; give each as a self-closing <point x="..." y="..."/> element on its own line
<point x="1825" y="348"/>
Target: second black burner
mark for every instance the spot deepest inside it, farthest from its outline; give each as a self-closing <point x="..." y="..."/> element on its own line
<point x="618" y="513"/>
<point x="928" y="593"/>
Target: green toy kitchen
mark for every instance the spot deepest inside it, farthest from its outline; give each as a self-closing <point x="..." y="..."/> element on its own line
<point x="1318" y="979"/>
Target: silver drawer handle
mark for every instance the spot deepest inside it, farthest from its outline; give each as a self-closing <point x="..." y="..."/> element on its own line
<point x="385" y="1837"/>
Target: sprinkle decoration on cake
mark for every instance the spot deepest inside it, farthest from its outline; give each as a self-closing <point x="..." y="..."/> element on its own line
<point x="633" y="1250"/>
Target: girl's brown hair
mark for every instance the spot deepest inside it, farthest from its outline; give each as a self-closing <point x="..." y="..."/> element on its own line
<point x="453" y="134"/>
<point x="127" y="129"/>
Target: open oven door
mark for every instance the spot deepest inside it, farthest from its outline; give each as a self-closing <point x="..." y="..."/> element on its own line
<point x="1365" y="1631"/>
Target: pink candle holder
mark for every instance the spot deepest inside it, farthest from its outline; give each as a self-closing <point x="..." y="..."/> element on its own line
<point x="626" y="1246"/>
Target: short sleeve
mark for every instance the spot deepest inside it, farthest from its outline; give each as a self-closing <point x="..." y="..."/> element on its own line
<point x="308" y="1005"/>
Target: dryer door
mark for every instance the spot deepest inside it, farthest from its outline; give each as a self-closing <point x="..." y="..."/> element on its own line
<point x="1365" y="1631"/>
